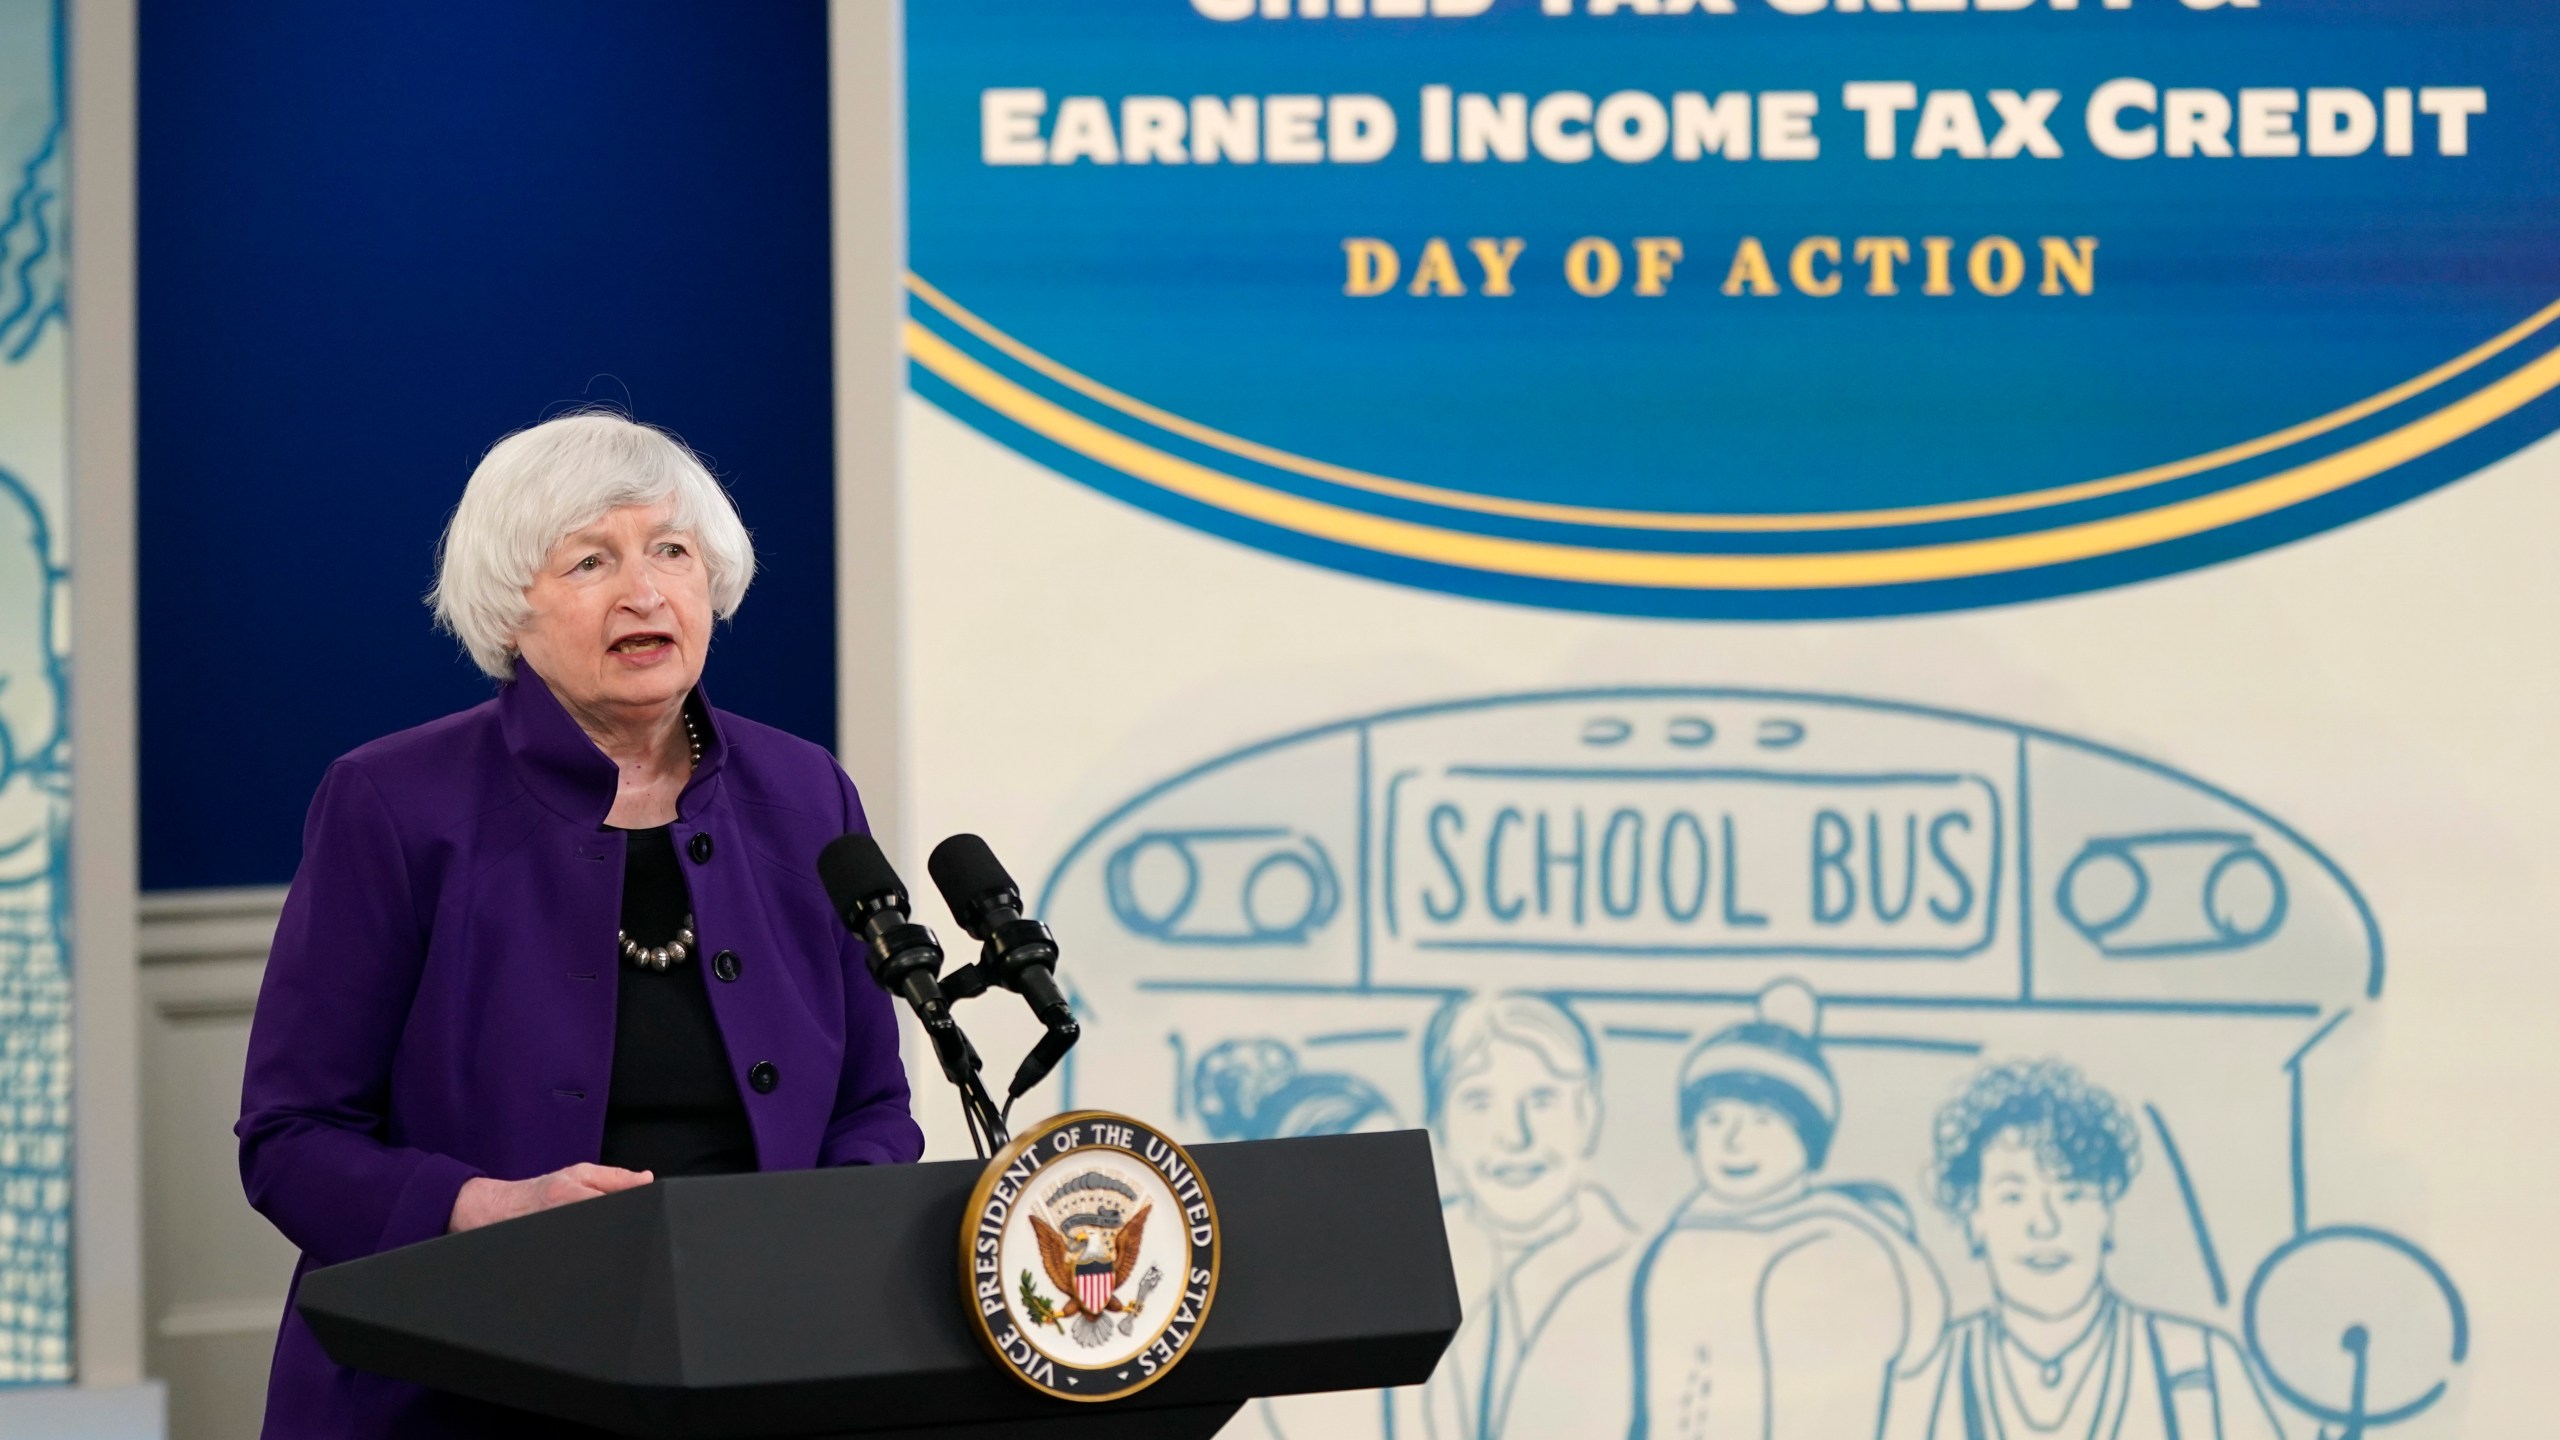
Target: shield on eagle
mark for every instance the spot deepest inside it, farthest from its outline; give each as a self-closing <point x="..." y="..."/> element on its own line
<point x="1094" y="1284"/>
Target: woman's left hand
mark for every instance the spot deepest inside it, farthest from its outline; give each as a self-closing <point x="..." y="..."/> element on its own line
<point x="484" y="1201"/>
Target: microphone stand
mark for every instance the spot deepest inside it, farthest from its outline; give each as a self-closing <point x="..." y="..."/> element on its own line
<point x="960" y="1066"/>
<point x="1015" y="951"/>
<point x="1058" y="1023"/>
<point x="864" y="890"/>
<point x="905" y="957"/>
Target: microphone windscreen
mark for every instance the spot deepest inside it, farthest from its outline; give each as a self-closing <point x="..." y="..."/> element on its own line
<point x="856" y="873"/>
<point x="966" y="872"/>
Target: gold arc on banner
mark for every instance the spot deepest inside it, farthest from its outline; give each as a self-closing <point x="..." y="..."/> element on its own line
<point x="1847" y="569"/>
<point x="1343" y="475"/>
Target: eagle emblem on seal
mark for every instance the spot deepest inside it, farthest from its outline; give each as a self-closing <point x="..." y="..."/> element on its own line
<point x="1090" y="1227"/>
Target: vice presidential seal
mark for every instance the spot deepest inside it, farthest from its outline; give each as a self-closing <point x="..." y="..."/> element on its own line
<point x="1090" y="1256"/>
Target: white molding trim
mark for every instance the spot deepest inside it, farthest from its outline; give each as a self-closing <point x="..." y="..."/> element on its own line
<point x="178" y="926"/>
<point x="203" y="954"/>
<point x="106" y="1108"/>
<point x="866" y="101"/>
<point x="224" y="992"/>
<point x="220" y="1317"/>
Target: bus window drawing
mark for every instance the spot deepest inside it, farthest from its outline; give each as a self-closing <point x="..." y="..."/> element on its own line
<point x="35" y="759"/>
<point x="2031" y="1161"/>
<point x="1681" y="977"/>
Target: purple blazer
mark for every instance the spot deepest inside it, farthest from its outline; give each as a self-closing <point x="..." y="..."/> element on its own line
<point x="439" y="1003"/>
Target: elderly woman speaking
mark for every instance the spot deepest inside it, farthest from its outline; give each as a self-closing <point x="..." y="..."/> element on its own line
<point x="568" y="940"/>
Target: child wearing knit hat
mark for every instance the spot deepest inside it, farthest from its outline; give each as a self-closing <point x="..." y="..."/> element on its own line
<point x="1758" y="1104"/>
<point x="1772" y="1304"/>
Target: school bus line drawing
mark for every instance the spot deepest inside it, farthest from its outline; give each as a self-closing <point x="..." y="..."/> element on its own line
<point x="1669" y="972"/>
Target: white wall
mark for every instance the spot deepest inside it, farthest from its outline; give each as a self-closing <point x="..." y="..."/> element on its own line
<point x="215" y="1272"/>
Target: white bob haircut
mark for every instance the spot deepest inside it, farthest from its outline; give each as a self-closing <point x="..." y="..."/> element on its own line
<point x="540" y="483"/>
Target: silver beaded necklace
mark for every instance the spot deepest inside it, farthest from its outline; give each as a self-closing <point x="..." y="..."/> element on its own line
<point x="662" y="958"/>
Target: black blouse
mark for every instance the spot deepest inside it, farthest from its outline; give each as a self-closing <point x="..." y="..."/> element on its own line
<point x="674" y="1108"/>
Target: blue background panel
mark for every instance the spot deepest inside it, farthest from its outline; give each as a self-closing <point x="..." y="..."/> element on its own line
<point x="373" y="239"/>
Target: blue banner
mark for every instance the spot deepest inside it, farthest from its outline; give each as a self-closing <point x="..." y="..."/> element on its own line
<point x="1742" y="308"/>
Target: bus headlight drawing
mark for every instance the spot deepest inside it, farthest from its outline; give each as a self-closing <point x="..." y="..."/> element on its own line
<point x="2177" y="892"/>
<point x="1249" y="886"/>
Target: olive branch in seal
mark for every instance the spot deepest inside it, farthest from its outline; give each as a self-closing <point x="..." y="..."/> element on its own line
<point x="1037" y="1305"/>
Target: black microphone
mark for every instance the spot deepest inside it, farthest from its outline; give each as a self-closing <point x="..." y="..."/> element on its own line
<point x="1015" y="951"/>
<point x="865" y="889"/>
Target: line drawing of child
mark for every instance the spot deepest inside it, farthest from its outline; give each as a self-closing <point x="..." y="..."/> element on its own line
<point x="33" y="795"/>
<point x="35" y="978"/>
<point x="1512" y="1094"/>
<point x="1252" y="1089"/>
<point x="1773" y="1306"/>
<point x="2031" y="1160"/>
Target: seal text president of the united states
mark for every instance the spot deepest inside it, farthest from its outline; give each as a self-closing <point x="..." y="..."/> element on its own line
<point x="566" y="941"/>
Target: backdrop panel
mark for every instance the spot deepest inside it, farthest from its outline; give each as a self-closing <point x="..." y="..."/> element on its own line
<point x="2073" y="976"/>
<point x="35" y="748"/>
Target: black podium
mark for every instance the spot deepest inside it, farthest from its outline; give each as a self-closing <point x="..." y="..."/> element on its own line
<point x="828" y="1303"/>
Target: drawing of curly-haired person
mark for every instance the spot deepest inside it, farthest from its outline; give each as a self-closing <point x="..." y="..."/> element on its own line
<point x="2031" y="1160"/>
